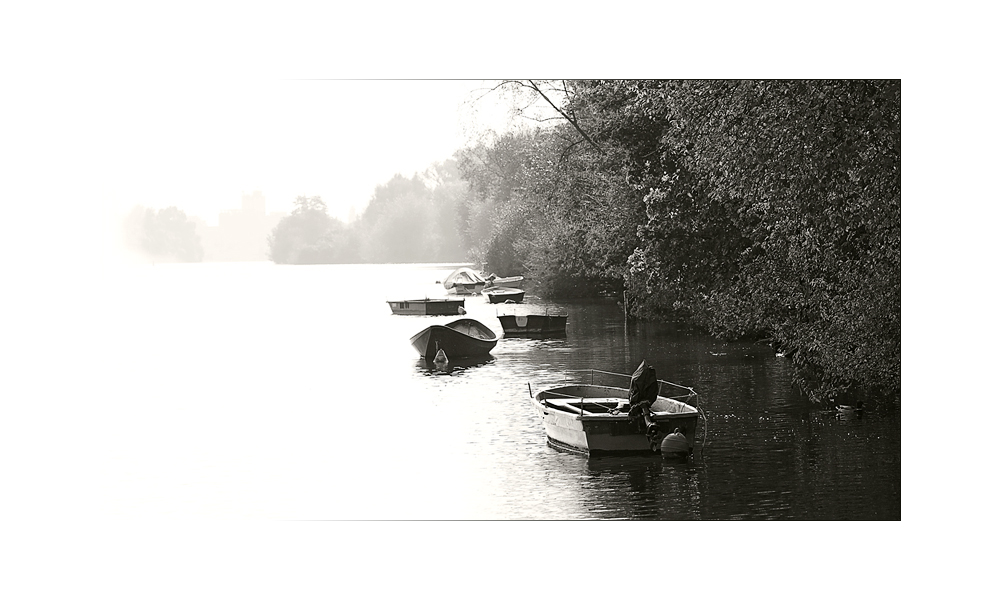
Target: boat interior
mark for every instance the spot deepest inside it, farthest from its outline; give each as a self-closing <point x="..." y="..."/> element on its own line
<point x="615" y="407"/>
<point x="609" y="405"/>
<point x="472" y="329"/>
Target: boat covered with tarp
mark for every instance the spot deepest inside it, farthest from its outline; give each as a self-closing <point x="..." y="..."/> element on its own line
<point x="464" y="280"/>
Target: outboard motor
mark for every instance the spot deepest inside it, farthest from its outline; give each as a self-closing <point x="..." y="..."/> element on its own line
<point x="642" y="392"/>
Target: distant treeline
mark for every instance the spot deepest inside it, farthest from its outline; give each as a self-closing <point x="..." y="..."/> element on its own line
<point x="406" y="220"/>
<point x="756" y="209"/>
<point x="165" y="235"/>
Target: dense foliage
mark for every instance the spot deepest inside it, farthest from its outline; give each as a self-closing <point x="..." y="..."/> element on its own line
<point x="563" y="218"/>
<point x="164" y="235"/>
<point x="753" y="208"/>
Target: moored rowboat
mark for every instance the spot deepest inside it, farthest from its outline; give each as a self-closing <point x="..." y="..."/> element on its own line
<point x="458" y="339"/>
<point x="533" y="325"/>
<point x="595" y="419"/>
<point x="501" y="295"/>
<point x="427" y="306"/>
<point x="494" y="281"/>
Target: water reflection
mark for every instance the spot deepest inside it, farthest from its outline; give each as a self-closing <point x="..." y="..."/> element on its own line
<point x="514" y="344"/>
<point x="643" y="488"/>
<point x="454" y="367"/>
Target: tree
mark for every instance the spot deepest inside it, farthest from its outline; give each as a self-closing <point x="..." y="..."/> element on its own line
<point x="777" y="215"/>
<point x="768" y="209"/>
<point x="164" y="235"/>
<point x="414" y="219"/>
<point x="310" y="236"/>
<point x="555" y="202"/>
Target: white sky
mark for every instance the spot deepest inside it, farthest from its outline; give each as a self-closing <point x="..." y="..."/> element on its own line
<point x="201" y="147"/>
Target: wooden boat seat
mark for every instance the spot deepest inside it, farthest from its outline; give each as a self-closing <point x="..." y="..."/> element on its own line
<point x="590" y="406"/>
<point x="598" y="406"/>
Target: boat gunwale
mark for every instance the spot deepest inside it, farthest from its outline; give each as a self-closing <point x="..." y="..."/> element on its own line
<point x="584" y="415"/>
<point x="691" y="395"/>
<point x="449" y="327"/>
<point x="426" y="300"/>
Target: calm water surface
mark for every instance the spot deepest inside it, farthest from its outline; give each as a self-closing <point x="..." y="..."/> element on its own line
<point x="291" y="392"/>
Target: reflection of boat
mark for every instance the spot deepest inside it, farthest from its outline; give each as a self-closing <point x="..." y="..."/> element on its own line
<point x="598" y="419"/>
<point x="427" y="306"/>
<point x="458" y="339"/>
<point x="501" y="295"/>
<point x="533" y="324"/>
<point x="464" y="280"/>
<point x="456" y="366"/>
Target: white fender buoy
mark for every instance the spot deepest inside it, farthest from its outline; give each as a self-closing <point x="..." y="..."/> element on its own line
<point x="674" y="443"/>
<point x="461" y="310"/>
<point x="440" y="357"/>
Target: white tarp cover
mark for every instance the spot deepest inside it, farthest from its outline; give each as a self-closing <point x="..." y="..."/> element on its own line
<point x="462" y="275"/>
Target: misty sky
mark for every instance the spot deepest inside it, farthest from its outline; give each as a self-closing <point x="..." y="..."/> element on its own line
<point x="81" y="151"/>
<point x="201" y="147"/>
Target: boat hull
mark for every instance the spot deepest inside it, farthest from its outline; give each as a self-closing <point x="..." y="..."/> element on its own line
<point x="431" y="306"/>
<point x="464" y="280"/>
<point x="464" y="338"/>
<point x="602" y="433"/>
<point x="504" y="281"/>
<point x="533" y="325"/>
<point x="501" y="295"/>
<point x="467" y="289"/>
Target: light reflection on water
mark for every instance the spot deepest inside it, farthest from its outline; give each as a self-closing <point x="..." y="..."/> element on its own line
<point x="293" y="393"/>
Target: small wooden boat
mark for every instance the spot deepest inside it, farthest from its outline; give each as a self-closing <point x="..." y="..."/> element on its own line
<point x="501" y="295"/>
<point x="464" y="280"/>
<point x="458" y="339"/>
<point x="595" y="419"/>
<point x="428" y="306"/>
<point x="533" y="324"/>
<point x="494" y="281"/>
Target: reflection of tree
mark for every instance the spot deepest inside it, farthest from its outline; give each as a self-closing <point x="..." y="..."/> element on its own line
<point x="164" y="235"/>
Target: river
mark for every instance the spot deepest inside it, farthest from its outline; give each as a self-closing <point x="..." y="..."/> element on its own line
<point x="262" y="391"/>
